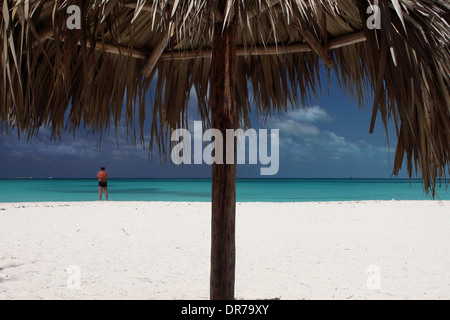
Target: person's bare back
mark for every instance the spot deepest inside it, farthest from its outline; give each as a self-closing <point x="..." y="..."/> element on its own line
<point x="102" y="177"/>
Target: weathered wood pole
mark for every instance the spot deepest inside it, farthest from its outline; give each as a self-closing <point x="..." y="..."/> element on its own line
<point x="224" y="116"/>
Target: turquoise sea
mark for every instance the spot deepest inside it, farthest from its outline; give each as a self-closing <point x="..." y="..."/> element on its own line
<point x="248" y="190"/>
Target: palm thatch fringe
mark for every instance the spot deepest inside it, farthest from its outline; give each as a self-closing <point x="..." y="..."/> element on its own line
<point x="51" y="74"/>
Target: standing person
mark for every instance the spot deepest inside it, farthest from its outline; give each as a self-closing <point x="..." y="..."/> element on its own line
<point x="102" y="177"/>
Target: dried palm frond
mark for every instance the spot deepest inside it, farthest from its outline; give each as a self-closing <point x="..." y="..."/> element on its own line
<point x="49" y="71"/>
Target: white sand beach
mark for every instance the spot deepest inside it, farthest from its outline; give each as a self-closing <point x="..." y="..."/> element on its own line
<point x="161" y="250"/>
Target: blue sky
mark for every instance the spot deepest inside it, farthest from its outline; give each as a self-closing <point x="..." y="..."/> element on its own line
<point x="329" y="139"/>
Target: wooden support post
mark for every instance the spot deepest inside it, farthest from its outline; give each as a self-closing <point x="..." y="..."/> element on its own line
<point x="153" y="59"/>
<point x="315" y="44"/>
<point x="224" y="116"/>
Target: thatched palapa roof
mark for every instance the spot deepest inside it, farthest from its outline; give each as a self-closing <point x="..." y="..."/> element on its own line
<point x="281" y="45"/>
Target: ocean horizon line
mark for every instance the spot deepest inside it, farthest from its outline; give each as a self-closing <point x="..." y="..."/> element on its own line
<point x="175" y="178"/>
<point x="199" y="189"/>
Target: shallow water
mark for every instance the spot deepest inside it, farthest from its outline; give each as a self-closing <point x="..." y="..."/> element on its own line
<point x="248" y="190"/>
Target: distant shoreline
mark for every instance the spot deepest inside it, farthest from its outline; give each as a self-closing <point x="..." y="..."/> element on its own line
<point x="130" y="202"/>
<point x="199" y="190"/>
<point x="51" y="178"/>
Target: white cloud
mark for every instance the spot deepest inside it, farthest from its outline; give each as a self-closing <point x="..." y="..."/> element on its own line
<point x="312" y="114"/>
<point x="339" y="147"/>
<point x="301" y="123"/>
<point x="303" y="140"/>
<point x="85" y="145"/>
<point x="291" y="128"/>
